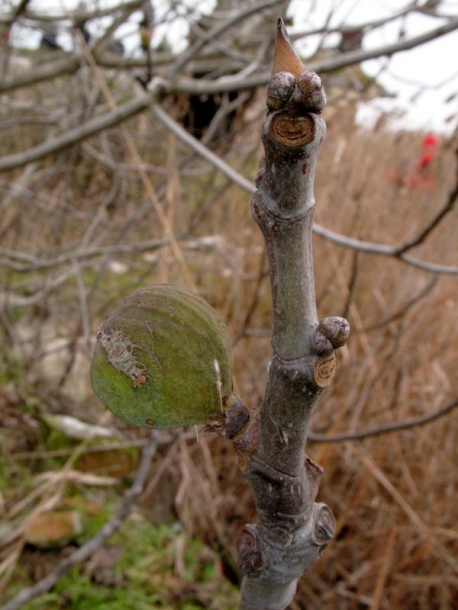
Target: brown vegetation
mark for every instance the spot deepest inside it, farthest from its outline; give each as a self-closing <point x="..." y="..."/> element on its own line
<point x="79" y="231"/>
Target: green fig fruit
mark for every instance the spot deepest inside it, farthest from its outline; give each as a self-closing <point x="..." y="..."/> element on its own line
<point x="163" y="360"/>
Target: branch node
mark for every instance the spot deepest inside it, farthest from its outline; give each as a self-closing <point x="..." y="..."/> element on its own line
<point x="248" y="548"/>
<point x="325" y="525"/>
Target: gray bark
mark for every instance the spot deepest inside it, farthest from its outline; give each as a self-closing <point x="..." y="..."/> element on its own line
<point x="291" y="528"/>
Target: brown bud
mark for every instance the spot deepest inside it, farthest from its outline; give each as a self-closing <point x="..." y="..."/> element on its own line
<point x="335" y="329"/>
<point x="285" y="57"/>
<point x="279" y="90"/>
<point x="309" y="82"/>
<point x="312" y="89"/>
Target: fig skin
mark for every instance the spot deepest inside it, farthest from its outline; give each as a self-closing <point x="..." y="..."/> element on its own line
<point x="163" y="360"/>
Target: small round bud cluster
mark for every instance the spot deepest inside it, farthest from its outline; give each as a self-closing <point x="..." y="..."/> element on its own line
<point x="312" y="88"/>
<point x="279" y="90"/>
<point x="302" y="93"/>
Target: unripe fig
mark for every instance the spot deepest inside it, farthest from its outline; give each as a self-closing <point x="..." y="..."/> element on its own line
<point x="163" y="360"/>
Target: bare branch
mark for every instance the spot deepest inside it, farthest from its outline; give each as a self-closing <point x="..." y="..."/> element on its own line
<point x="202" y="150"/>
<point x="184" y="84"/>
<point x="421" y="237"/>
<point x="356" y="57"/>
<point x="144" y="100"/>
<point x="79" y="14"/>
<point x="384" y="429"/>
<point x="220" y="28"/>
<point x="382" y="250"/>
<point x="77" y="134"/>
<point x="65" y="65"/>
<point x="290" y="529"/>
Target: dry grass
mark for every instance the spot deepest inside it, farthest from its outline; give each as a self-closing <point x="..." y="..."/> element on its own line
<point x="394" y="496"/>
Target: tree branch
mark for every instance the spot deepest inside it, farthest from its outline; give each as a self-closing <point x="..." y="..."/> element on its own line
<point x="291" y="529"/>
<point x="79" y="14"/>
<point x="79" y="133"/>
<point x="213" y="34"/>
<point x="356" y="57"/>
<point x="407" y="424"/>
<point x="199" y="86"/>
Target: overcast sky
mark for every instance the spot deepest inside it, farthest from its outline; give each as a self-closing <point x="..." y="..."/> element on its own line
<point x="422" y="78"/>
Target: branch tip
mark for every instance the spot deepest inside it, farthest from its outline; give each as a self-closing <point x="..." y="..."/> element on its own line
<point x="285" y="57"/>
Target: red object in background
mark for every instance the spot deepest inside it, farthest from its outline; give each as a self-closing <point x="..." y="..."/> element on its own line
<point x="417" y="175"/>
<point x="425" y="159"/>
<point x="429" y="145"/>
<point x="430" y="140"/>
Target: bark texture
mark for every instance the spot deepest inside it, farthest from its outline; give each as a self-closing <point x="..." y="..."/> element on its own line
<point x="291" y="528"/>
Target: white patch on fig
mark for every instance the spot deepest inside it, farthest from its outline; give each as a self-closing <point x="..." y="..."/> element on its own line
<point x="120" y="353"/>
<point x="219" y="383"/>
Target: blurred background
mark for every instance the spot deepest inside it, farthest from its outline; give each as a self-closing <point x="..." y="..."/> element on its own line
<point x="129" y="145"/>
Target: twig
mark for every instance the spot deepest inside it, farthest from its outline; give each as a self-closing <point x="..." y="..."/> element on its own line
<point x="382" y="250"/>
<point x="237" y="178"/>
<point x="79" y="133"/>
<point x="385" y="429"/>
<point x="397" y="315"/>
<point x="182" y="84"/>
<point x="202" y="150"/>
<point x="291" y="529"/>
<point x="80" y="14"/>
<point x="446" y="209"/>
<point x="356" y="57"/>
<point x="76" y="558"/>
<point x="238" y="17"/>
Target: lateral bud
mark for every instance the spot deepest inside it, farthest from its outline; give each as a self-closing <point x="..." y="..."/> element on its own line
<point x="279" y="90"/>
<point x="331" y="333"/>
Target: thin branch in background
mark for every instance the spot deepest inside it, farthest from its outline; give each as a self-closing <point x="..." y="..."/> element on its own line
<point x="262" y="274"/>
<point x="213" y="34"/>
<point x="78" y="133"/>
<point x="398" y="315"/>
<point x="382" y="250"/>
<point x="71" y="63"/>
<point x="357" y="57"/>
<point x="143" y="175"/>
<point x="438" y="218"/>
<point x="383" y="429"/>
<point x="237" y="178"/>
<point x="201" y="149"/>
<point x="80" y="13"/>
<point x="92" y="545"/>
<point x="351" y="285"/>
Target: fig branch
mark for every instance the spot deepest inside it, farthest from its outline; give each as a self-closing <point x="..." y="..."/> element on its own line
<point x="291" y="529"/>
<point x="162" y="358"/>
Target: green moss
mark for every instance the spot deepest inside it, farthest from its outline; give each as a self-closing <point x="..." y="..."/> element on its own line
<point x="146" y="577"/>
